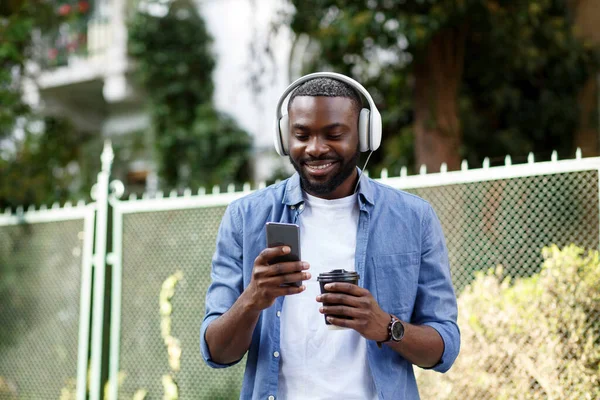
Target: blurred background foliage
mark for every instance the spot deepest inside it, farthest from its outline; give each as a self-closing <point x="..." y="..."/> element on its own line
<point x="557" y="357"/>
<point x="459" y="79"/>
<point x="196" y="145"/>
<point x="43" y="159"/>
<point x="453" y="80"/>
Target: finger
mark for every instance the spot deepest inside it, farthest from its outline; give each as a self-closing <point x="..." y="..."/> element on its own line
<point x="348" y="288"/>
<point x="270" y="253"/>
<point x="339" y="298"/>
<point x="293" y="277"/>
<point x="340" y="310"/>
<point x="288" y="290"/>
<point x="344" y="323"/>
<point x="284" y="268"/>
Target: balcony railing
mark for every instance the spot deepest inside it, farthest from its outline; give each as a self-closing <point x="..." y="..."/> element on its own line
<point x="82" y="32"/>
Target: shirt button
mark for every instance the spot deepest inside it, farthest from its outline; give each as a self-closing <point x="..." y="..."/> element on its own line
<point x="279" y="313"/>
<point x="276" y="354"/>
<point x="293" y="207"/>
<point x="301" y="207"/>
<point x="271" y="397"/>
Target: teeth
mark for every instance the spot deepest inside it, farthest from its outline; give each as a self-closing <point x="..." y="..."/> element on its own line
<point x="320" y="166"/>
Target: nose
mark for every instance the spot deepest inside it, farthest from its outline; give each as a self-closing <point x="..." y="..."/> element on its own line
<point x="316" y="147"/>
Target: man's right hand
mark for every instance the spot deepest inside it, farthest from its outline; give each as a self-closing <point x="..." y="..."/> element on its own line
<point x="269" y="281"/>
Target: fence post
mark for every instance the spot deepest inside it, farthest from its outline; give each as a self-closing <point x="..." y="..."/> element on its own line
<point x="100" y="195"/>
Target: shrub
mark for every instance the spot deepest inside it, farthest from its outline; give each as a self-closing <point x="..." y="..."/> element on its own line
<point x="534" y="338"/>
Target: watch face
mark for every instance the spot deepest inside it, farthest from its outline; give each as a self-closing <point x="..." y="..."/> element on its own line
<point x="397" y="331"/>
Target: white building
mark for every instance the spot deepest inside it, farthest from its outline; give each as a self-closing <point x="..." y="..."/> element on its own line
<point x="95" y="89"/>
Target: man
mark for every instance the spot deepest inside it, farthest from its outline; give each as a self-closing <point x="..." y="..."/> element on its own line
<point x="403" y="311"/>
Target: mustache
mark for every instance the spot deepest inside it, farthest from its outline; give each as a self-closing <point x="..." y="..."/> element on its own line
<point x="320" y="158"/>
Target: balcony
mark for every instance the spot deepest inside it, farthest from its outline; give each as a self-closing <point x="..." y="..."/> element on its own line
<point x="80" y="68"/>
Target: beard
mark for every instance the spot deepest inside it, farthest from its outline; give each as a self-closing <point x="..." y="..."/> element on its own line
<point x="324" y="188"/>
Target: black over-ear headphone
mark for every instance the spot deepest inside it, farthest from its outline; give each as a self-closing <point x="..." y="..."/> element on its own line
<point x="369" y="121"/>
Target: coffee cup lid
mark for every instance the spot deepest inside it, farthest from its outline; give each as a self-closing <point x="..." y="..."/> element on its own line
<point x="338" y="274"/>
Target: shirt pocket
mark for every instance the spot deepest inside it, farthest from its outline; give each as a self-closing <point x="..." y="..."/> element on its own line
<point x="397" y="279"/>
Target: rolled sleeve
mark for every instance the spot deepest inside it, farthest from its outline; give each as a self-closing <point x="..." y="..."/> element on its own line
<point x="226" y="278"/>
<point x="436" y="300"/>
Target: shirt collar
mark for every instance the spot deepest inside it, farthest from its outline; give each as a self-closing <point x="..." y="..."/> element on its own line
<point x="293" y="191"/>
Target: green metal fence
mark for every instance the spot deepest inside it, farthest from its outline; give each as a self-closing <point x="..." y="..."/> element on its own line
<point x="45" y="284"/>
<point x="159" y="265"/>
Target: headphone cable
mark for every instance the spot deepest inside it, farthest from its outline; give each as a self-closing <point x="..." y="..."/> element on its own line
<point x="362" y="170"/>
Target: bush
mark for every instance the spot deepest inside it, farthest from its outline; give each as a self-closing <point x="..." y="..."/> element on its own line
<point x="534" y="338"/>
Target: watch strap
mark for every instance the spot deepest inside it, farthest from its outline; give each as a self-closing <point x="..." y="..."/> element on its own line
<point x="389" y="336"/>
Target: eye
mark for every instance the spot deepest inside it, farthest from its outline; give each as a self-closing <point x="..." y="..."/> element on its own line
<point x="300" y="136"/>
<point x="333" y="135"/>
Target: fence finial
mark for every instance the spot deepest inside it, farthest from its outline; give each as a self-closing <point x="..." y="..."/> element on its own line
<point x="187" y="192"/>
<point x="444" y="168"/>
<point x="107" y="156"/>
<point x="216" y="189"/>
<point x="578" y="153"/>
<point x="231" y="188"/>
<point x="384" y="173"/>
<point x="201" y="191"/>
<point x="403" y="172"/>
<point x="262" y="184"/>
<point x="486" y="163"/>
<point x="508" y="160"/>
<point x="423" y="169"/>
<point x="173" y="193"/>
<point x="530" y="158"/>
<point x="246" y="187"/>
<point x="554" y="156"/>
<point x="464" y="165"/>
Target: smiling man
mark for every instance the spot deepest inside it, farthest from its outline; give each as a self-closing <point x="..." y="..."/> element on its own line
<point x="402" y="313"/>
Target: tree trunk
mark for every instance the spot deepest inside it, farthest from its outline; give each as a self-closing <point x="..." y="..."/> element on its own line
<point x="438" y="75"/>
<point x="587" y="15"/>
<point x="586" y="137"/>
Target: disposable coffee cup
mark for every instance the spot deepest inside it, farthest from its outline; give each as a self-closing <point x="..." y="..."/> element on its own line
<point x="336" y="275"/>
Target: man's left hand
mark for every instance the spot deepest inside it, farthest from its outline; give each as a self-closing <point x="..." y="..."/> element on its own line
<point x="358" y="303"/>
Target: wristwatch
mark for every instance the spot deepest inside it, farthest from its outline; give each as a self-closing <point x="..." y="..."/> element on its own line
<point x="395" y="331"/>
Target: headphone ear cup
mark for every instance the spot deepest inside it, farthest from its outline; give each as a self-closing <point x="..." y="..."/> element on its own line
<point x="282" y="136"/>
<point x="363" y="129"/>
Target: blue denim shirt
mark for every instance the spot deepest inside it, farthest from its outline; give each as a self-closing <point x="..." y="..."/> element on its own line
<point x="401" y="258"/>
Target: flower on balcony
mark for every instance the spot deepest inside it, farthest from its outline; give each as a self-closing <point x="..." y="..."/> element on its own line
<point x="64" y="10"/>
<point x="83" y="6"/>
<point x="52" y="54"/>
<point x="72" y="46"/>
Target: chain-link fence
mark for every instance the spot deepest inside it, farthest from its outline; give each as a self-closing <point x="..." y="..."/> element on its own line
<point x="508" y="221"/>
<point x="40" y="291"/>
<point x="157" y="247"/>
<point x="163" y="250"/>
<point x="487" y="223"/>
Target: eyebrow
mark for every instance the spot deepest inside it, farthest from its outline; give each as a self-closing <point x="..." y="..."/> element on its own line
<point x="325" y="128"/>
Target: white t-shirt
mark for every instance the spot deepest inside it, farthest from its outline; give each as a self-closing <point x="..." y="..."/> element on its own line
<point x="317" y="362"/>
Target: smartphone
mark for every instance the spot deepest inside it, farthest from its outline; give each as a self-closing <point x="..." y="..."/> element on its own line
<point x="280" y="234"/>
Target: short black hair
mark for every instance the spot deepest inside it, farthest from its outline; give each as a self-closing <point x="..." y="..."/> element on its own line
<point x="327" y="87"/>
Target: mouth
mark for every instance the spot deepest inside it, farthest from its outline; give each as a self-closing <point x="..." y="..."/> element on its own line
<point x="320" y="168"/>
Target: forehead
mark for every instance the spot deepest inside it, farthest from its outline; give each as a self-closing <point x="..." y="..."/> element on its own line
<point x="322" y="110"/>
